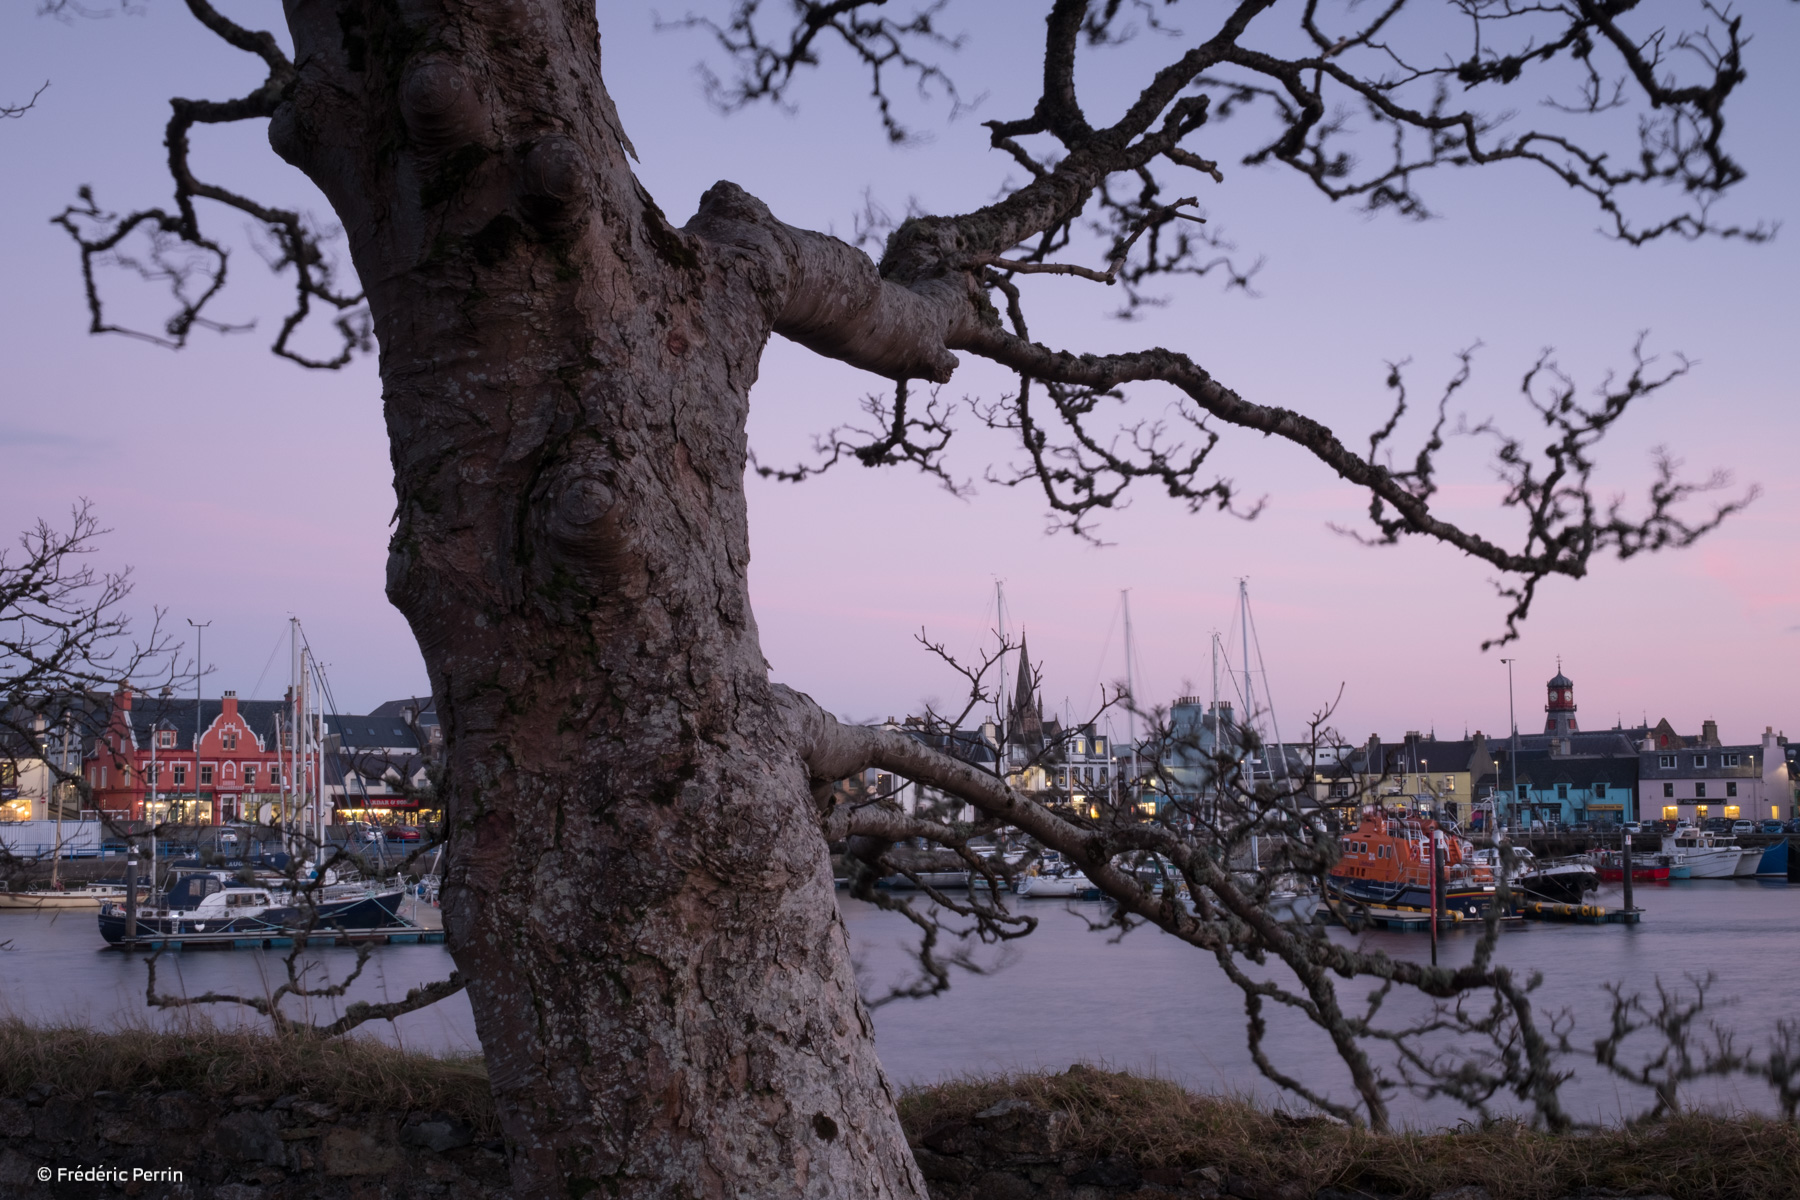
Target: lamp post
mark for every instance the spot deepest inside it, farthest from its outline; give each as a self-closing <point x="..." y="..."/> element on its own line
<point x="199" y="675"/>
<point x="1512" y="719"/>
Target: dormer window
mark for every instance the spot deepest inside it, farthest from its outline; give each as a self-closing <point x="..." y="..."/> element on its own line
<point x="1699" y="761"/>
<point x="165" y="738"/>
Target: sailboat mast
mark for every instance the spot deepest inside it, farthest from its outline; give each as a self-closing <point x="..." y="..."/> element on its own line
<point x="1000" y="684"/>
<point x="1244" y="623"/>
<point x="290" y="794"/>
<point x="1130" y="691"/>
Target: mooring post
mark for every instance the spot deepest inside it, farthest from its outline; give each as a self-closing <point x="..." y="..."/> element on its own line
<point x="1437" y="889"/>
<point x="131" y="876"/>
<point x="1626" y="856"/>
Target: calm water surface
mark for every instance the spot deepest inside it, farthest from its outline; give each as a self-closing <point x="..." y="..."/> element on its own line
<point x="1063" y="995"/>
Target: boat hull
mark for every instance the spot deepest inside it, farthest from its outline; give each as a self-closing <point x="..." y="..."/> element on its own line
<point x="1704" y="862"/>
<point x="1559" y="885"/>
<point x="1646" y="874"/>
<point x="336" y="920"/>
<point x="1466" y="903"/>
<point x="54" y="901"/>
<point x="1048" y="887"/>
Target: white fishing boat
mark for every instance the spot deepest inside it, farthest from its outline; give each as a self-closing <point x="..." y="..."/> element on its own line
<point x="1710" y="855"/>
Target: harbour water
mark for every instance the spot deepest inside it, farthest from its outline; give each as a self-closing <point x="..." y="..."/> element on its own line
<point x="1065" y="994"/>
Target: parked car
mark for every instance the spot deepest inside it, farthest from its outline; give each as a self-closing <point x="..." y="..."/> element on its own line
<point x="1716" y="825"/>
<point x="403" y="833"/>
<point x="1634" y="826"/>
<point x="1793" y="826"/>
<point x="1581" y="827"/>
<point x="1769" y="827"/>
<point x="1743" y="827"/>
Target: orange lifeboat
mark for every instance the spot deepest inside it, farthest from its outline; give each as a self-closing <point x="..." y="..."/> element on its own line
<point x="1386" y="862"/>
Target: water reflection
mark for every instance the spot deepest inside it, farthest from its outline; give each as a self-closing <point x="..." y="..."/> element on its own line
<point x="1063" y="995"/>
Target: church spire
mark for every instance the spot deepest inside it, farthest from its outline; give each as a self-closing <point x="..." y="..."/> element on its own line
<point x="1027" y="716"/>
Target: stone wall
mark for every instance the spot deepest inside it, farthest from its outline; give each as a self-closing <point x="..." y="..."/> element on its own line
<point x="249" y="1148"/>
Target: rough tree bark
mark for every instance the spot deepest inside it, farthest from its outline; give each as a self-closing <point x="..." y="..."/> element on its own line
<point x="638" y="889"/>
<point x="637" y="886"/>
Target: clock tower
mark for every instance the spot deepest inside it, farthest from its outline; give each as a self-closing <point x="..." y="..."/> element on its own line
<point x="1559" y="719"/>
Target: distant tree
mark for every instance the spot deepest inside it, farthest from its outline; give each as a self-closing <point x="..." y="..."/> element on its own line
<point x="65" y="637"/>
<point x="638" y="889"/>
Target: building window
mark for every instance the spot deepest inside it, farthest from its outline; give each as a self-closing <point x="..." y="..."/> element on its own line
<point x="180" y="774"/>
<point x="1668" y="791"/>
<point x="1671" y="813"/>
<point x="249" y="774"/>
<point x="150" y="773"/>
<point x="1730" y="760"/>
<point x="1600" y="790"/>
<point x="229" y="738"/>
<point x="1666" y="761"/>
<point x="166" y="739"/>
<point x="1523" y="790"/>
<point x="1731" y="812"/>
<point x="206" y="774"/>
<point x="1699" y="790"/>
<point x="1562" y="791"/>
<point x="1699" y="760"/>
<point x="274" y="775"/>
<point x="1731" y="787"/>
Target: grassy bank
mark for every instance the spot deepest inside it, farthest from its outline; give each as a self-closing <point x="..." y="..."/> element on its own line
<point x="1158" y="1124"/>
<point x="1152" y="1122"/>
<point x="227" y="1064"/>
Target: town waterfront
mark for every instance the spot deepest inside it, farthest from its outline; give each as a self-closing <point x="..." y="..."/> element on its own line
<point x="1065" y="994"/>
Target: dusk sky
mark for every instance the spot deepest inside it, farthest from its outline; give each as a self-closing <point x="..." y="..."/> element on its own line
<point x="243" y="490"/>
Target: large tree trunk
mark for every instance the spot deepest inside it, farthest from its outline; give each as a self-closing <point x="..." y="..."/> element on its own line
<point x="637" y="889"/>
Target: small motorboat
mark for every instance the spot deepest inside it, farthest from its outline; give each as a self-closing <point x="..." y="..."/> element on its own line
<point x="90" y="895"/>
<point x="1054" y="880"/>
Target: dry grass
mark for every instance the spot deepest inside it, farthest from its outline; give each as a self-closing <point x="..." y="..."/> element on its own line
<point x="1158" y="1124"/>
<point x="354" y="1075"/>
<point x="1151" y="1121"/>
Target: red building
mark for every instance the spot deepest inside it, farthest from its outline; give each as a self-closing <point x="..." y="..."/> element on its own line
<point x="147" y="766"/>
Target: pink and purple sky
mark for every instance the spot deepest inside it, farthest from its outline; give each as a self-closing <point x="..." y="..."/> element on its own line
<point x="242" y="489"/>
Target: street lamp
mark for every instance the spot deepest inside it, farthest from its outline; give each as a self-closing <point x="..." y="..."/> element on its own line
<point x="1513" y="720"/>
<point x="199" y="674"/>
